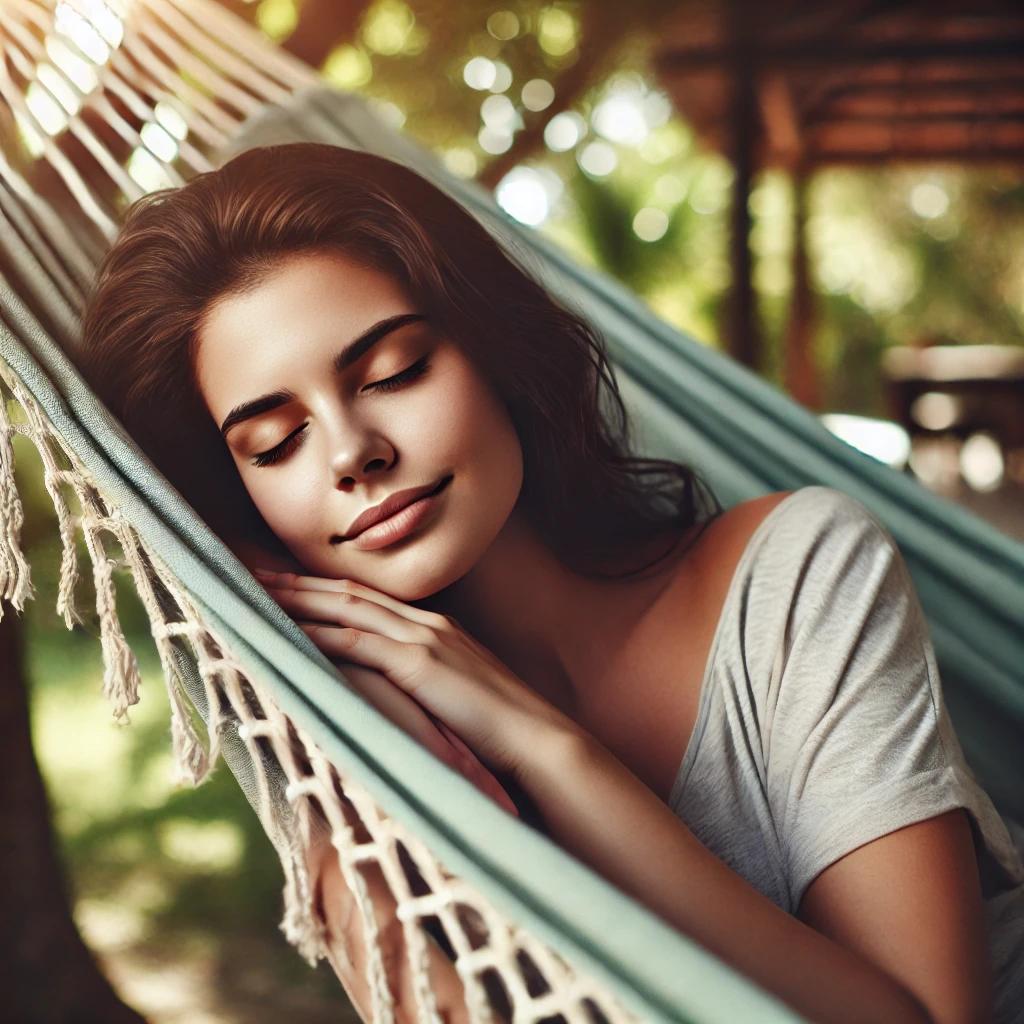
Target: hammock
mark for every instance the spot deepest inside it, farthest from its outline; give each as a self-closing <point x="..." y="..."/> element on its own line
<point x="246" y="683"/>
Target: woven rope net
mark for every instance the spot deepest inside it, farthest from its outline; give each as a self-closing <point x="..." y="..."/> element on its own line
<point x="111" y="100"/>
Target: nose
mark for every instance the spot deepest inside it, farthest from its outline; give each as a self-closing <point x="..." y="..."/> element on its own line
<point x="354" y="461"/>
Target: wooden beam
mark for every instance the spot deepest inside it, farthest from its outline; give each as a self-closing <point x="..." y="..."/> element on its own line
<point x="927" y="137"/>
<point x="1012" y="158"/>
<point x="829" y="52"/>
<point x="975" y="119"/>
<point x="951" y="105"/>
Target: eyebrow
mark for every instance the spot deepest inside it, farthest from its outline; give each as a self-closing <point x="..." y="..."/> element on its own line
<point x="350" y="354"/>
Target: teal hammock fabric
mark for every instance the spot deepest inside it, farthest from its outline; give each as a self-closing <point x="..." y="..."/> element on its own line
<point x="689" y="402"/>
<point x="748" y="438"/>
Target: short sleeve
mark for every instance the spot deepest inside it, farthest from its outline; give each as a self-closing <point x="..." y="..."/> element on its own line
<point x="860" y="742"/>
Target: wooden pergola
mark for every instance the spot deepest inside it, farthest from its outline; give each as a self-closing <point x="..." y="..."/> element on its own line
<point x="802" y="85"/>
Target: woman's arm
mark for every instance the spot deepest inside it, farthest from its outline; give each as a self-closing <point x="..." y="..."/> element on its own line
<point x="347" y="950"/>
<point x="596" y="809"/>
<point x="652" y="855"/>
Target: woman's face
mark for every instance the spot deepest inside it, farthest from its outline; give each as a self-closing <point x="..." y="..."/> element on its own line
<point x="292" y="375"/>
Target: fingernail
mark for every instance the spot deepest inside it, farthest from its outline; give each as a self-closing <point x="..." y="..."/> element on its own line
<point x="264" y="572"/>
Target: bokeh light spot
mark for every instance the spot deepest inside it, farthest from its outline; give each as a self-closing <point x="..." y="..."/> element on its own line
<point x="598" y="159"/>
<point x="479" y="73"/>
<point x="556" y="31"/>
<point x="538" y="94"/>
<point x="564" y="130"/>
<point x="650" y="224"/>
<point x="348" y="66"/>
<point x="503" y="25"/>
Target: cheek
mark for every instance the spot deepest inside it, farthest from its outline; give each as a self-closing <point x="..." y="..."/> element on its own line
<point x="470" y="420"/>
<point x="285" y="501"/>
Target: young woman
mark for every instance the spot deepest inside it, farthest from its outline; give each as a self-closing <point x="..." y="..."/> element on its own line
<point x="734" y="716"/>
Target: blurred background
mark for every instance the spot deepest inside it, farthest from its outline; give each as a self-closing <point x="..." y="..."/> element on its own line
<point x="835" y="199"/>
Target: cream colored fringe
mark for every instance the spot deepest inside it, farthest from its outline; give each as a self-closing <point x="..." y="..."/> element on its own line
<point x="311" y="778"/>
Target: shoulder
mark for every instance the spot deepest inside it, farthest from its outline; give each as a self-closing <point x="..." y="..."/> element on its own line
<point x="799" y="523"/>
<point x="793" y="547"/>
<point x="729" y="535"/>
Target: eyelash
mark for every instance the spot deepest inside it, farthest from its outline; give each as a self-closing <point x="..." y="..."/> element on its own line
<point x="294" y="439"/>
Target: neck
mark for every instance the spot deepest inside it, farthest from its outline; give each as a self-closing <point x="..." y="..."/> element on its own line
<point x="558" y="630"/>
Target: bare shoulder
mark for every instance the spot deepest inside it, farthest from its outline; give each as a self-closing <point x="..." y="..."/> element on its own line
<point x="669" y="649"/>
<point x="728" y="536"/>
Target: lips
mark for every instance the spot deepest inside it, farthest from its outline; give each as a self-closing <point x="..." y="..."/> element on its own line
<point x="395" y="503"/>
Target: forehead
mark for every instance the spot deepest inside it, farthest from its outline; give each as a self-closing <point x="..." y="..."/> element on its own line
<point x="307" y="304"/>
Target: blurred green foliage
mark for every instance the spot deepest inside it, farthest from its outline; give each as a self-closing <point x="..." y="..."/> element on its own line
<point x="162" y="874"/>
<point x="898" y="254"/>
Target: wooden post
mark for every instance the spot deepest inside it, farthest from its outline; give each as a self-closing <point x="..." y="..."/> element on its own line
<point x="743" y="335"/>
<point x="800" y="368"/>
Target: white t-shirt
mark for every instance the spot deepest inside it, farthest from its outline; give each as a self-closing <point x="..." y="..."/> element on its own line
<point x="821" y="723"/>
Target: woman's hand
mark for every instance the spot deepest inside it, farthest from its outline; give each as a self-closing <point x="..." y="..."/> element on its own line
<point x="427" y="730"/>
<point x="469" y="691"/>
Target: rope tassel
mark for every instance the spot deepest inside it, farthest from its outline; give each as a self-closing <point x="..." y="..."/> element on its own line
<point x="120" y="666"/>
<point x="15" y="574"/>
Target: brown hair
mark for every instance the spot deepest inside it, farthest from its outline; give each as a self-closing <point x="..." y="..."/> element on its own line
<point x="180" y="249"/>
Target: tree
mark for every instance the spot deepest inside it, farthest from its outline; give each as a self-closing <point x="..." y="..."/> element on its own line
<point x="47" y="974"/>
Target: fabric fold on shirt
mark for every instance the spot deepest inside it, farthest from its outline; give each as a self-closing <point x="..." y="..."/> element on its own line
<point x="821" y="722"/>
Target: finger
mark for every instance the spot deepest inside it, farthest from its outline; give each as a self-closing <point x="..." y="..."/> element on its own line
<point x="344" y="609"/>
<point x="293" y="581"/>
<point x="401" y="662"/>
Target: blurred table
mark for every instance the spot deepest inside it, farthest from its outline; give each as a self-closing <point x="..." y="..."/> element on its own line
<point x="958" y="390"/>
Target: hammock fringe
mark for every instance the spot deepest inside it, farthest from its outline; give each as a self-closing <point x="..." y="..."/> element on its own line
<point x="303" y="800"/>
<point x="15" y="574"/>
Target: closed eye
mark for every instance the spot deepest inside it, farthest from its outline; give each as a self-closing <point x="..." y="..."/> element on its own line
<point x="296" y="437"/>
<point x="285" y="448"/>
<point x="416" y="370"/>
